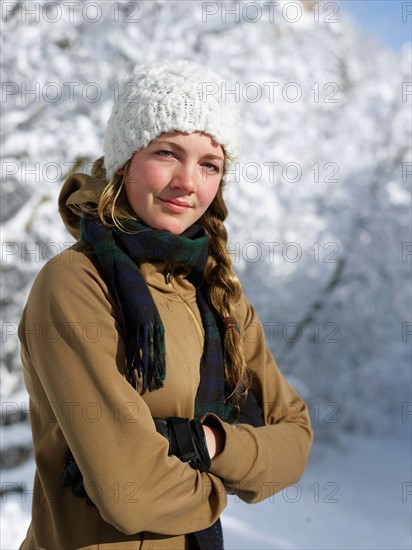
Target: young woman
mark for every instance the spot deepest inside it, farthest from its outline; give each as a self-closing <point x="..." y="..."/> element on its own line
<point x="153" y="393"/>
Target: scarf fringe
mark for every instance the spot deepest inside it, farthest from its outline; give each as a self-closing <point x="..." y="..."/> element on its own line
<point x="148" y="362"/>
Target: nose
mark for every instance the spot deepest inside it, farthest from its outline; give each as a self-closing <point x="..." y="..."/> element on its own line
<point x="185" y="178"/>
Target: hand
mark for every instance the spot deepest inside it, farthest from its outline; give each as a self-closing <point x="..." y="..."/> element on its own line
<point x="187" y="440"/>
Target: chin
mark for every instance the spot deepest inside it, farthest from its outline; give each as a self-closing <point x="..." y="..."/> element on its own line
<point x="176" y="231"/>
<point x="174" y="228"/>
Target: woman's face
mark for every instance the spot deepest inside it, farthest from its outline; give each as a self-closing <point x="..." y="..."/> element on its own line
<point x="172" y="182"/>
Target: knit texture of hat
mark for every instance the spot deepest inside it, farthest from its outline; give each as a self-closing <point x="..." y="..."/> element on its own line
<point x="170" y="96"/>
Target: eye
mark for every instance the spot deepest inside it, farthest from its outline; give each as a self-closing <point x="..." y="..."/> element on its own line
<point x="212" y="167"/>
<point x="164" y="153"/>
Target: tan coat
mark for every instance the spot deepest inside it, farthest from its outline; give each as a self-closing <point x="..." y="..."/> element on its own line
<point x="73" y="353"/>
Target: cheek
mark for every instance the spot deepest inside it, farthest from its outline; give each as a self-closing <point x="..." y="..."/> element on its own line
<point x="209" y="193"/>
<point x="132" y="192"/>
<point x="142" y="181"/>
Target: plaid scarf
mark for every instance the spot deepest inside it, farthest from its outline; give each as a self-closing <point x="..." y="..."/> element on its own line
<point x="117" y="253"/>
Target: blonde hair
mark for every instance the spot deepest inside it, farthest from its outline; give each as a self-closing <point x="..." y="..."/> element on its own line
<point x="225" y="291"/>
<point x="224" y="287"/>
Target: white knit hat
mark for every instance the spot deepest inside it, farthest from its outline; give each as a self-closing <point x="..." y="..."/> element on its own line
<point x="169" y="96"/>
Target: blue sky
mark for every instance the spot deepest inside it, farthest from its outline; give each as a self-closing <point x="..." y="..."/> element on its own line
<point x="382" y="19"/>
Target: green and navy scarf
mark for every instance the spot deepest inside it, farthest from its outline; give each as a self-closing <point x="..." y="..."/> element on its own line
<point x="118" y="254"/>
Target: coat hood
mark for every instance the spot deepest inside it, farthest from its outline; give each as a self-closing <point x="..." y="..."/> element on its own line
<point x="77" y="190"/>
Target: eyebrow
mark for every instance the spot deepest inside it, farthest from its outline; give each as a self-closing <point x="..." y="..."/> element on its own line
<point x="180" y="148"/>
<point x="216" y="157"/>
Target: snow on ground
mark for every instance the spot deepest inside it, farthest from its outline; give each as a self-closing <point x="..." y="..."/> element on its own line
<point x="352" y="496"/>
<point x="355" y="495"/>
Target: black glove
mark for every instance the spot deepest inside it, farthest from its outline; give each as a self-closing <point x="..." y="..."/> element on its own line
<point x="73" y="477"/>
<point x="186" y="439"/>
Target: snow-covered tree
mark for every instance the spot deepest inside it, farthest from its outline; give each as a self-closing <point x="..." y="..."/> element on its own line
<point x="319" y="202"/>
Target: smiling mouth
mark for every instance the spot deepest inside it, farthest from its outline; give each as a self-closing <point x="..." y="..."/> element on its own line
<point x="175" y="205"/>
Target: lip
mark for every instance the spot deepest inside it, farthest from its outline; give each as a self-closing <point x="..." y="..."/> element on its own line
<point x="175" y="205"/>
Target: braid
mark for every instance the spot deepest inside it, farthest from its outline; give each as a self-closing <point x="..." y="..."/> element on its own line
<point x="225" y="292"/>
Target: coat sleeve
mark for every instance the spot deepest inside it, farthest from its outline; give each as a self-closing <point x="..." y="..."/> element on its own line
<point x="258" y="462"/>
<point x="71" y="342"/>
